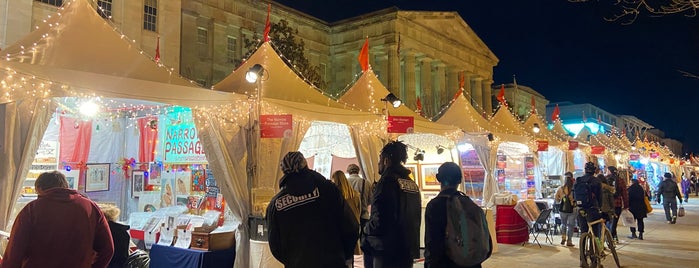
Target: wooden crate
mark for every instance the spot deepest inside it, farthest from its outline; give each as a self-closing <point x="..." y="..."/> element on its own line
<point x="205" y="240"/>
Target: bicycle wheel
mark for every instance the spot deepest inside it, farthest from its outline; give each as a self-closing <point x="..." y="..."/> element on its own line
<point x="611" y="246"/>
<point x="588" y="253"/>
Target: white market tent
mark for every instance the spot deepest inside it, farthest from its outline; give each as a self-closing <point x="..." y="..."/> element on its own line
<point x="284" y="92"/>
<point x="366" y="94"/>
<point x="76" y="53"/>
<point x="554" y="160"/>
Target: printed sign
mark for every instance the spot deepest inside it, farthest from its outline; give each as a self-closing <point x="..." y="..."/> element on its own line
<point x="597" y="149"/>
<point x="401" y="124"/>
<point x="181" y="141"/>
<point x="275" y="126"/>
<point x="542" y="146"/>
<point x="572" y="145"/>
<point x="654" y="154"/>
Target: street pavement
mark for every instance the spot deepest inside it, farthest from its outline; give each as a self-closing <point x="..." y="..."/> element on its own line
<point x="664" y="245"/>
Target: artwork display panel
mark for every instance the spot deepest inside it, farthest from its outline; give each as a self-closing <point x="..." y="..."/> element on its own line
<point x="97" y="178"/>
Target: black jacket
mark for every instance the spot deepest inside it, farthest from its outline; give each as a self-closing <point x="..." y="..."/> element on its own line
<point x="393" y="229"/>
<point x="121" y="238"/>
<point x="310" y="225"/>
<point x="637" y="204"/>
<point x="435" y="232"/>
<point x="668" y="190"/>
<point x="595" y="188"/>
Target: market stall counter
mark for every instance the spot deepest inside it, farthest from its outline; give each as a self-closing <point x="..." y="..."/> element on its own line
<point x="173" y="257"/>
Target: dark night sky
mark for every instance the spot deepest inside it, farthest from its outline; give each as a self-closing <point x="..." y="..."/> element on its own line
<point x="568" y="52"/>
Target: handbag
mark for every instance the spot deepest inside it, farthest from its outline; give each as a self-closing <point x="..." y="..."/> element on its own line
<point x="565" y="205"/>
<point x="649" y="209"/>
<point x="627" y="218"/>
<point x="680" y="212"/>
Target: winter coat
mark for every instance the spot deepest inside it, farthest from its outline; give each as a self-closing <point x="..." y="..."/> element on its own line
<point x="637" y="204"/>
<point x="621" y="194"/>
<point x="310" y="224"/>
<point x="61" y="228"/>
<point x="668" y="190"/>
<point x="393" y="230"/>
<point x="121" y="238"/>
<point x="357" y="184"/>
<point x="685" y="186"/>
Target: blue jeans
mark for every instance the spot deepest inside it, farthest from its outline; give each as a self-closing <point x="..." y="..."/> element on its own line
<point x="567" y="224"/>
<point x="670" y="205"/>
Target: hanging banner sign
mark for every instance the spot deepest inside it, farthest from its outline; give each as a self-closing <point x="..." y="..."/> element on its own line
<point x="542" y="146"/>
<point x="400" y="124"/>
<point x="572" y="145"/>
<point x="275" y="126"/>
<point x="182" y="143"/>
<point x="634" y="157"/>
<point x="597" y="149"/>
<point x="654" y="154"/>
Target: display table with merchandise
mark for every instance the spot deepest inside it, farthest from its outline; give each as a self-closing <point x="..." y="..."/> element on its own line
<point x="173" y="257"/>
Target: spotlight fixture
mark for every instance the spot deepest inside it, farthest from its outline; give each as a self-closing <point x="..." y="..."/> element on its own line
<point x="536" y="128"/>
<point x="419" y="155"/>
<point x="393" y="100"/>
<point x="440" y="149"/>
<point x="491" y="137"/>
<point x="254" y="73"/>
<point x="89" y="108"/>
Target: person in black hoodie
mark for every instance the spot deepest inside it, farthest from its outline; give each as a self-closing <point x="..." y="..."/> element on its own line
<point x="637" y="206"/>
<point x="392" y="235"/>
<point x="310" y="225"/>
<point x="120" y="235"/>
<point x="669" y="191"/>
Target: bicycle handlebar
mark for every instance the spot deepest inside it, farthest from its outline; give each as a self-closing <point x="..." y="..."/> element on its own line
<point x="596" y="222"/>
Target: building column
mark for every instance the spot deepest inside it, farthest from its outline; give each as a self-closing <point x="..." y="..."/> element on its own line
<point x="467" y="87"/>
<point x="440" y="89"/>
<point x="487" y="96"/>
<point x="477" y="93"/>
<point x="452" y="83"/>
<point x="393" y="70"/>
<point x="410" y="92"/>
<point x="381" y="68"/>
<point x="426" y="87"/>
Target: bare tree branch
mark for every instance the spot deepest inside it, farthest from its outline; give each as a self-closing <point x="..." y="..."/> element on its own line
<point x="629" y="10"/>
<point x="688" y="74"/>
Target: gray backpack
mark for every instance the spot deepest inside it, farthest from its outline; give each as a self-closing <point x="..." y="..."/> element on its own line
<point x="467" y="239"/>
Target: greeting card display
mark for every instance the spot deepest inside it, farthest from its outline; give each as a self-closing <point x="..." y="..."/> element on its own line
<point x="198" y="180"/>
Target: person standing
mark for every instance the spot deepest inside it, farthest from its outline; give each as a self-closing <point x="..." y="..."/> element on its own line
<point x="568" y="216"/>
<point x="685" y="188"/>
<point x="621" y="196"/>
<point x="310" y="224"/>
<point x="61" y="228"/>
<point x="364" y="188"/>
<point x="120" y="236"/>
<point x="637" y="207"/>
<point x="693" y="178"/>
<point x="392" y="235"/>
<point x="668" y="190"/>
<point x="449" y="176"/>
<point x="352" y="199"/>
<point x="587" y="192"/>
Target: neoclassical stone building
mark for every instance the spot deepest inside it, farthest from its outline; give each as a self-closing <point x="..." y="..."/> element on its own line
<point x="417" y="54"/>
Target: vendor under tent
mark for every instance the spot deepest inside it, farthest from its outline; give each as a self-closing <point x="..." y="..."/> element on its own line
<point x="368" y="94"/>
<point x="287" y="107"/>
<point x="550" y="157"/>
<point x="511" y="158"/>
<point x="55" y="61"/>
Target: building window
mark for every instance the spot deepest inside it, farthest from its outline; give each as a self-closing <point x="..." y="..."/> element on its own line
<point x="104" y="8"/>
<point x="150" y="15"/>
<point x="57" y="3"/>
<point x="202" y="35"/>
<point x="232" y="43"/>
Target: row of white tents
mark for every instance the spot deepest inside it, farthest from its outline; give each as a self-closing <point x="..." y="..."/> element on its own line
<point x="76" y="53"/>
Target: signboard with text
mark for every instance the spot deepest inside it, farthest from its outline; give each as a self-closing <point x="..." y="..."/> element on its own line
<point x="400" y="124"/>
<point x="597" y="149"/>
<point x="180" y="138"/>
<point x="572" y="145"/>
<point x="542" y="146"/>
<point x="275" y="126"/>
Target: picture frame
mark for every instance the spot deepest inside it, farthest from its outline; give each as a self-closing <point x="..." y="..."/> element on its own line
<point x="138" y="182"/>
<point x="413" y="172"/>
<point x="97" y="178"/>
<point x="427" y="196"/>
<point x="73" y="178"/>
<point x="428" y="177"/>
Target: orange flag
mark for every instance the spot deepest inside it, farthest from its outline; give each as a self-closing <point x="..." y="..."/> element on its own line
<point x="556" y="113"/>
<point x="268" y="26"/>
<point x="461" y="86"/>
<point x="419" y="106"/>
<point x="501" y="95"/>
<point x="157" y="51"/>
<point x="364" y="56"/>
<point x="533" y="105"/>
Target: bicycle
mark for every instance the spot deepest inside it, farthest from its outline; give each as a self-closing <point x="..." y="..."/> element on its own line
<point x="592" y="252"/>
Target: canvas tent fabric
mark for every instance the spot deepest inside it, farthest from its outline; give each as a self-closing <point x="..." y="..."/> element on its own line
<point x="56" y="61"/>
<point x="461" y="114"/>
<point x="559" y="131"/>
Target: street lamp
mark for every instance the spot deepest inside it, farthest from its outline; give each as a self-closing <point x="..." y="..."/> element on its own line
<point x="536" y="128"/>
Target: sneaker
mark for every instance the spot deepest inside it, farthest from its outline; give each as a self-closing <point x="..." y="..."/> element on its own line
<point x="570" y="244"/>
<point x="674" y="220"/>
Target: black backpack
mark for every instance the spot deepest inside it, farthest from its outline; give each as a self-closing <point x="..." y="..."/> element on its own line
<point x="468" y="241"/>
<point x="582" y="191"/>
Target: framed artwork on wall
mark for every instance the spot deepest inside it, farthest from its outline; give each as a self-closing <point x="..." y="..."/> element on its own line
<point x="73" y="178"/>
<point x="138" y="180"/>
<point x="428" y="177"/>
<point x="413" y="172"/>
<point x="97" y="178"/>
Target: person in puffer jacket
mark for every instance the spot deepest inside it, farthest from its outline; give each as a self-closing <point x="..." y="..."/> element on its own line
<point x="310" y="225"/>
<point x="392" y="235"/>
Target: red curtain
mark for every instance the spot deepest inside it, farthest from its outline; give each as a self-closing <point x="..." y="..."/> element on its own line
<point x="148" y="128"/>
<point x="340" y="163"/>
<point x="75" y="136"/>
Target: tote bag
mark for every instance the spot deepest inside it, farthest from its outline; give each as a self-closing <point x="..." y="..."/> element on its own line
<point x="649" y="209"/>
<point x="680" y="212"/>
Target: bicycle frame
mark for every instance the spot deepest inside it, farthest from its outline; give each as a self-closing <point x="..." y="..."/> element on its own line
<point x="597" y="248"/>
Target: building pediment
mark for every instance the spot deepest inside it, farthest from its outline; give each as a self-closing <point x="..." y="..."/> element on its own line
<point x="450" y="25"/>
